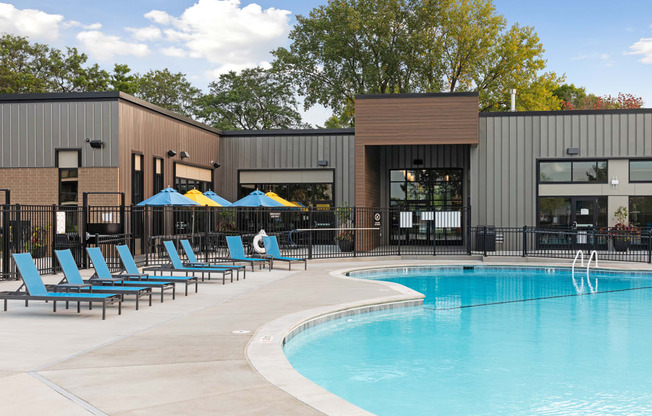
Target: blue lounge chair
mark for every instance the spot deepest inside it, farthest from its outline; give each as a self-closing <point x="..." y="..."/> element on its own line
<point x="73" y="281"/>
<point x="35" y="289"/>
<point x="103" y="275"/>
<point x="237" y="254"/>
<point x="176" y="266"/>
<point x="192" y="261"/>
<point x="132" y="272"/>
<point x="273" y="251"/>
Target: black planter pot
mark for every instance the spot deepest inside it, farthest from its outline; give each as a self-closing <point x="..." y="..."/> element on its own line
<point x="39" y="252"/>
<point x="345" y="245"/>
<point x="621" y="243"/>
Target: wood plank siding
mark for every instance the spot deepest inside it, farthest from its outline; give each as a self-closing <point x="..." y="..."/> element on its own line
<point x="152" y="134"/>
<point x="408" y="119"/>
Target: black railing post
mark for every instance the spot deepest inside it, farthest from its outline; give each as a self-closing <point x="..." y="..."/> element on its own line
<point x="53" y="227"/>
<point x="132" y="228"/>
<point x="310" y="216"/>
<point x="595" y="240"/>
<point x="82" y="229"/>
<point x="525" y="241"/>
<point x="485" y="239"/>
<point x="19" y="231"/>
<point x="6" y="238"/>
<point x="649" y="245"/>
<point x="469" y="236"/>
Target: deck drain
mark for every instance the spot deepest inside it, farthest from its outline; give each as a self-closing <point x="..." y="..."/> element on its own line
<point x="240" y="331"/>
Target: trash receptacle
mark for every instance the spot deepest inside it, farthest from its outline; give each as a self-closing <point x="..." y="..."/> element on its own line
<point x="490" y="238"/>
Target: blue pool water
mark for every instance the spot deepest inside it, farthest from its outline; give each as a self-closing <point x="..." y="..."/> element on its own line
<point x="492" y="342"/>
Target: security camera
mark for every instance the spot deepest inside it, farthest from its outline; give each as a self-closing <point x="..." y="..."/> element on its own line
<point x="215" y="164"/>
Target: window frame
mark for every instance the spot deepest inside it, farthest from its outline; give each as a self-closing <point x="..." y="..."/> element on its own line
<point x="629" y="170"/>
<point x="572" y="163"/>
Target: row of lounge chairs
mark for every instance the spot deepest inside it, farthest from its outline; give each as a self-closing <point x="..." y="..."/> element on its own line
<point x="107" y="288"/>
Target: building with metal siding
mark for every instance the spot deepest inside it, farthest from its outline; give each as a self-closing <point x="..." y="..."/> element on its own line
<point x="497" y="159"/>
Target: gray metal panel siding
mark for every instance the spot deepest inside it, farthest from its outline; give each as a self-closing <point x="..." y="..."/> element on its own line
<point x="31" y="131"/>
<point x="287" y="152"/>
<point x="503" y="164"/>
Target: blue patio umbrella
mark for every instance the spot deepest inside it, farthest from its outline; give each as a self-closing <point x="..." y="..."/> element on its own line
<point x="257" y="199"/>
<point x="168" y="196"/>
<point x="215" y="197"/>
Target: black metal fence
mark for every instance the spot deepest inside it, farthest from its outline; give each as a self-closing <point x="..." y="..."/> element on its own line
<point x="310" y="233"/>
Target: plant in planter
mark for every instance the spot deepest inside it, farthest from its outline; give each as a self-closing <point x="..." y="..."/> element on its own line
<point x="37" y="243"/>
<point x="345" y="240"/>
<point x="345" y="237"/>
<point x="621" y="233"/>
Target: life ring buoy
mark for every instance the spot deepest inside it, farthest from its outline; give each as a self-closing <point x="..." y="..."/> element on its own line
<point x="259" y="246"/>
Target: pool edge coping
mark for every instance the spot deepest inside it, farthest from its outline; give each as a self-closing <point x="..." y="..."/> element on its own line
<point x="270" y="362"/>
<point x="264" y="351"/>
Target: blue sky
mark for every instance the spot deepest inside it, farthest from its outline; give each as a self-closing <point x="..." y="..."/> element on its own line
<point x="591" y="42"/>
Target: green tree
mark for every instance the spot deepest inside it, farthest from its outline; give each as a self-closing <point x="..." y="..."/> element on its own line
<point x="253" y="99"/>
<point x="23" y="65"/>
<point x="66" y="72"/>
<point x="168" y="90"/>
<point x="350" y="47"/>
<point x="122" y="80"/>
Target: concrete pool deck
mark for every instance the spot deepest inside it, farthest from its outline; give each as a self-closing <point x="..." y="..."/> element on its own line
<point x="182" y="356"/>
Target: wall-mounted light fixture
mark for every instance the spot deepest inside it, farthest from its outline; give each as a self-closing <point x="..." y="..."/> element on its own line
<point x="614" y="182"/>
<point x="172" y="153"/>
<point x="95" y="143"/>
<point x="417" y="162"/>
<point x="322" y="163"/>
<point x="572" y="151"/>
<point x="184" y="155"/>
<point x="215" y="164"/>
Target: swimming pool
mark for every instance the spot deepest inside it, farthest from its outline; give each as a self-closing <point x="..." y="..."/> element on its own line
<point x="492" y="340"/>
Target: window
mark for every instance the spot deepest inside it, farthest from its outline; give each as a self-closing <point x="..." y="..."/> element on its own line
<point x="68" y="163"/>
<point x="158" y="175"/>
<point x="184" y="185"/>
<point x="640" y="170"/>
<point x="137" y="191"/>
<point x="573" y="172"/>
<point x="315" y="194"/>
<point x="426" y="187"/>
<point x="640" y="211"/>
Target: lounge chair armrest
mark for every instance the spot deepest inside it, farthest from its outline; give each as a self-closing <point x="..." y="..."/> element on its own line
<point x="132" y="275"/>
<point x="113" y="278"/>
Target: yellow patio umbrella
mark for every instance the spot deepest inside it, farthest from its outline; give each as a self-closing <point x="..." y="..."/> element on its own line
<point x="281" y="200"/>
<point x="200" y="198"/>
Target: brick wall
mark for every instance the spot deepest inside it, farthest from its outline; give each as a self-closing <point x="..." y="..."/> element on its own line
<point x="99" y="180"/>
<point x="31" y="186"/>
<point x="40" y="186"/>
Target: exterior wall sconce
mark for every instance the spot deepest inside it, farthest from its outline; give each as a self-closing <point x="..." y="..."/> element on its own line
<point x="417" y="162"/>
<point x="95" y="144"/>
<point x="614" y="182"/>
<point x="184" y="155"/>
<point x="322" y="163"/>
<point x="572" y="151"/>
<point x="172" y="153"/>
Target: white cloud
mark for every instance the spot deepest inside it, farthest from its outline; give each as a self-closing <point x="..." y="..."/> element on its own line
<point x="73" y="23"/>
<point x="174" y="52"/>
<point x="224" y="33"/>
<point x="642" y="47"/>
<point x="145" y="33"/>
<point x="35" y="24"/>
<point x="160" y="17"/>
<point x="105" y="47"/>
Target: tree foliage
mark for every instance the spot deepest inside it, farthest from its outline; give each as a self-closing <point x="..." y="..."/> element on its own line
<point x="350" y="47"/>
<point x="253" y="99"/>
<point x="168" y="90"/>
<point x="576" y="98"/>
